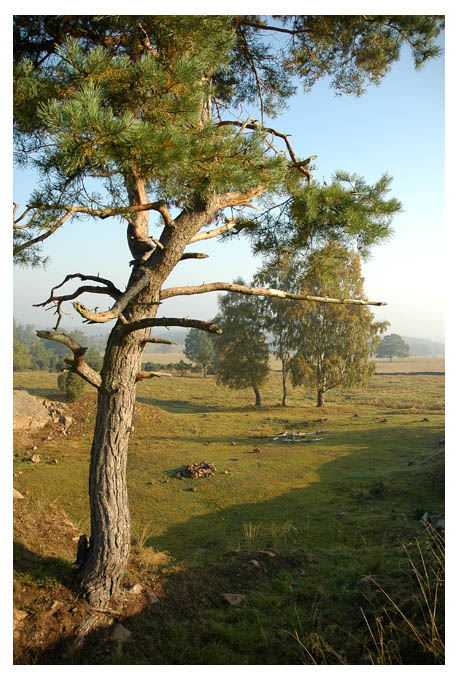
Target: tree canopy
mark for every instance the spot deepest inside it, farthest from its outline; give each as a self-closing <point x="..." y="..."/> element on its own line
<point x="392" y="345"/>
<point x="332" y="343"/>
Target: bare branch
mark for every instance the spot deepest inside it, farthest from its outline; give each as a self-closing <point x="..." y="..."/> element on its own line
<point x="143" y="375"/>
<point x="253" y="66"/>
<point x="300" y="165"/>
<point x="70" y="211"/>
<point x="264" y="292"/>
<point x="194" y="256"/>
<point x="230" y="224"/>
<point x="167" y="321"/>
<point x="159" y="341"/>
<point x="120" y="305"/>
<point x="78" y="365"/>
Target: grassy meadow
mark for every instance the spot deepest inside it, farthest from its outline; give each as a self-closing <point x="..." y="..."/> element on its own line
<point x="296" y="528"/>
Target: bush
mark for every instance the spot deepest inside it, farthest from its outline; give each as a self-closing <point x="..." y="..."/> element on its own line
<point x="71" y="384"/>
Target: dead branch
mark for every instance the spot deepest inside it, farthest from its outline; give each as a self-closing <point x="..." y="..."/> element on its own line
<point x="214" y="232"/>
<point x="110" y="288"/>
<point x="296" y="163"/>
<point x="256" y="75"/>
<point x="119" y="306"/>
<point x="171" y="321"/>
<point x="70" y="211"/>
<point x="264" y="292"/>
<point x="160" y="341"/>
<point x="194" y="256"/>
<point x="78" y="364"/>
<point x="145" y="375"/>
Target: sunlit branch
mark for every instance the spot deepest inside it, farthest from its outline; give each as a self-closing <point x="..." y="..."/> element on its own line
<point x="78" y="364"/>
<point x="167" y="321"/>
<point x="144" y="375"/>
<point x="263" y="292"/>
<point x="120" y="305"/>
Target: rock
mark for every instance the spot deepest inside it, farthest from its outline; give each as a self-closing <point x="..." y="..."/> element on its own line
<point x="121" y="634"/>
<point x="267" y="552"/>
<point x="135" y="589"/>
<point x="233" y="443"/>
<point x="233" y="598"/>
<point x="152" y="598"/>
<point x="35" y="458"/>
<point x="66" y="421"/>
<point x="17" y="495"/>
<point x="55" y="461"/>
<point x="254" y="562"/>
<point x="28" y="411"/>
<point x="255" y="450"/>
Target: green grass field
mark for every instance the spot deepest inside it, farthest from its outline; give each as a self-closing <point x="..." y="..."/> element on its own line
<point x="331" y="511"/>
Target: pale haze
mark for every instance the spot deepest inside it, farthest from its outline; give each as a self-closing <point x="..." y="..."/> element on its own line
<point x="396" y="128"/>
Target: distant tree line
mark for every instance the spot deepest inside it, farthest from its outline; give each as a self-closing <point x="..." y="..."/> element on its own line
<point x="31" y="353"/>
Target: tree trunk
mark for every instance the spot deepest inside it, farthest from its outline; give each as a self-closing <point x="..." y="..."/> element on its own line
<point x="320" y="397"/>
<point x="257" y="393"/>
<point x="105" y="563"/>
<point x="284" y="371"/>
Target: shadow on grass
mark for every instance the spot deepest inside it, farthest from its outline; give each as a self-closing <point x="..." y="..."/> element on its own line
<point x="41" y="569"/>
<point x="182" y="406"/>
<point x="327" y="535"/>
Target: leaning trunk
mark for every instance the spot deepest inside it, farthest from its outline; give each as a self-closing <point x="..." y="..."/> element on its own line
<point x="257" y="393"/>
<point x="105" y="563"/>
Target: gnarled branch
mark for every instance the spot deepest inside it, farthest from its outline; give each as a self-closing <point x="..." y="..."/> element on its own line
<point x="264" y="292"/>
<point x="119" y="306"/>
<point x="208" y="326"/>
<point x="78" y="365"/>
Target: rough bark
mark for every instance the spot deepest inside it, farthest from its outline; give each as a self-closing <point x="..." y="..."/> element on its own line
<point x="320" y="397"/>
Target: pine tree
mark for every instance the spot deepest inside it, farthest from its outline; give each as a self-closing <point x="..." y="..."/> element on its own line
<point x="136" y="104"/>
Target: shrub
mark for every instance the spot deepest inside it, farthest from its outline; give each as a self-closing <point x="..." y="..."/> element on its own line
<point x="71" y="384"/>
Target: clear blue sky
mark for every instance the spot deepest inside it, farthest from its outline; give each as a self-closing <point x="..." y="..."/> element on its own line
<point x="396" y="128"/>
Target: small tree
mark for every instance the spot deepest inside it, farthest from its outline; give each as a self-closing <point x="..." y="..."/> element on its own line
<point x="71" y="384"/>
<point x="242" y="350"/>
<point x="334" y="341"/>
<point x="392" y="345"/>
<point x="199" y="348"/>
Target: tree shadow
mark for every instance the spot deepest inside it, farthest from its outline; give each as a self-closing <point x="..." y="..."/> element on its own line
<point x="41" y="569"/>
<point x="360" y="501"/>
<point x="182" y="406"/>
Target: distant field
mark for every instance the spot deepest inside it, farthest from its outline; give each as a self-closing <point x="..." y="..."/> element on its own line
<point x="411" y="364"/>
